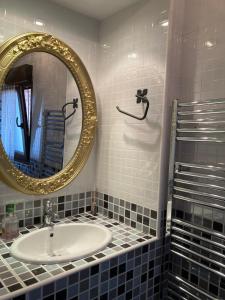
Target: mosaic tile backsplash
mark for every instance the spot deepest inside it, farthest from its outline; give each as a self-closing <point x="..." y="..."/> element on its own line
<point x="30" y="212"/>
<point x="131" y="214"/>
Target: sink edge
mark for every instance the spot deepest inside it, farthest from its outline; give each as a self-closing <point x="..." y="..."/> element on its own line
<point x="56" y="260"/>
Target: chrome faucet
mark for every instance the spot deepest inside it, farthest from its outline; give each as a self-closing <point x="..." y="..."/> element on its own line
<point x="49" y="216"/>
<point x="94" y="208"/>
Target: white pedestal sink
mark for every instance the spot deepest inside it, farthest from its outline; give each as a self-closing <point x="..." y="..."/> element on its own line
<point x="69" y="242"/>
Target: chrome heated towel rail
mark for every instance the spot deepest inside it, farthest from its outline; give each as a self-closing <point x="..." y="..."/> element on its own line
<point x="197" y="184"/>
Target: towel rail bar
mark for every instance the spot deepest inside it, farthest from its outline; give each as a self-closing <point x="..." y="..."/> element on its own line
<point x="199" y="175"/>
<point x="182" y="231"/>
<point x="191" y="286"/>
<point x="182" y="290"/>
<point x="188" y="191"/>
<point x="197" y="263"/>
<point x="200" y="166"/>
<point x="199" y="202"/>
<point x="197" y="245"/>
<point x="200" y="130"/>
<point x="200" y="112"/>
<point x="217" y="234"/>
<point x="176" y="294"/>
<point x="202" y="121"/>
<point x="200" y="184"/>
<point x="201" y="103"/>
<point x="198" y="255"/>
<point x="205" y="139"/>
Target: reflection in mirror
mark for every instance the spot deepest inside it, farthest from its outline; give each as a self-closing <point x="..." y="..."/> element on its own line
<point x="41" y="115"/>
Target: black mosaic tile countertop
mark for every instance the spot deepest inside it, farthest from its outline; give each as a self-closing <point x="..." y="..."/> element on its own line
<point x="17" y="277"/>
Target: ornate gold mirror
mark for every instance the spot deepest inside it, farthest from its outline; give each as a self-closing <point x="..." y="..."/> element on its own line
<point x="47" y="113"/>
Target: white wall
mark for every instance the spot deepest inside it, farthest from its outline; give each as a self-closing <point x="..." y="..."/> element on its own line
<point x="172" y="89"/>
<point x="203" y="63"/>
<point x="78" y="31"/>
<point x="132" y="56"/>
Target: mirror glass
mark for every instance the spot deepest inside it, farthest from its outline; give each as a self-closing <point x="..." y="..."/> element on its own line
<point x="41" y="115"/>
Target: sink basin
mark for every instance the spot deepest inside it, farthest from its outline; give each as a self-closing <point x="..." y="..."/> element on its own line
<point x="62" y="243"/>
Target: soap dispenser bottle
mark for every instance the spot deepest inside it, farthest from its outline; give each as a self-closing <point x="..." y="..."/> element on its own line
<point x="10" y="224"/>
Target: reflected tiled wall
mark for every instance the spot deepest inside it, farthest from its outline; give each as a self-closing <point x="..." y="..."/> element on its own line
<point x="132" y="56"/>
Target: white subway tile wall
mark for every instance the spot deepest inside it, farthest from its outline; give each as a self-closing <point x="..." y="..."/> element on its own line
<point x="132" y="56"/>
<point x="202" y="69"/>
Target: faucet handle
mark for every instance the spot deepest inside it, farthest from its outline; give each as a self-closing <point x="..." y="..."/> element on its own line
<point x="48" y="204"/>
<point x="49" y="215"/>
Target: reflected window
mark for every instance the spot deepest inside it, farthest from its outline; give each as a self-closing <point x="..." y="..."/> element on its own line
<point x="22" y="79"/>
<point x="28" y="99"/>
<point x="19" y="137"/>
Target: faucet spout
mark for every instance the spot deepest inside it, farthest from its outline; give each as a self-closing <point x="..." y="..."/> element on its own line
<point x="49" y="216"/>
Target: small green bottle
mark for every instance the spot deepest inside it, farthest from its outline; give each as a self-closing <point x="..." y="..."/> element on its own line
<point x="10" y="224"/>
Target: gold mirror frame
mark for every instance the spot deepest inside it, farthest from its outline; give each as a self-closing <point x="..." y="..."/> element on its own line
<point x="10" y="52"/>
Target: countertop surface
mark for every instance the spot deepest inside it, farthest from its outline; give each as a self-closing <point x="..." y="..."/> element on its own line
<point x="17" y="277"/>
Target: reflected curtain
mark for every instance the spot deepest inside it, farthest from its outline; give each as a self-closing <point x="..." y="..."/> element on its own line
<point x="11" y="135"/>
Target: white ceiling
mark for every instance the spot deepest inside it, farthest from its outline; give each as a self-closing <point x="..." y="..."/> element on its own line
<point x="98" y="9"/>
